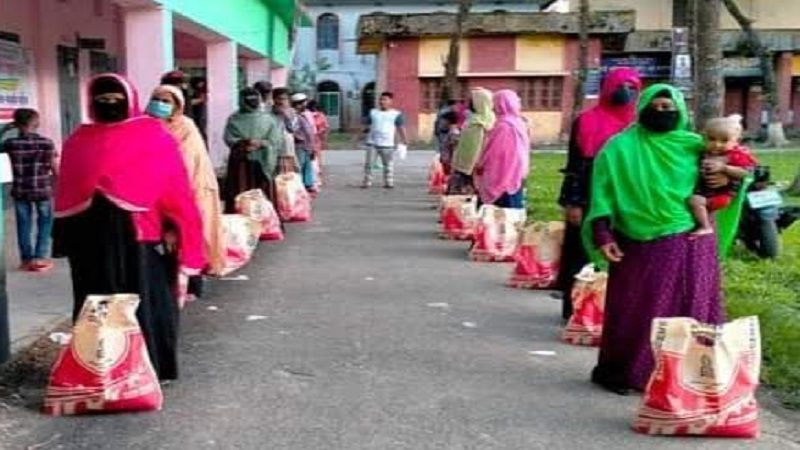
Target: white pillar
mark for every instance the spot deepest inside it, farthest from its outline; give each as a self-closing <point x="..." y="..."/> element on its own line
<point x="221" y="63"/>
<point x="257" y="70"/>
<point x="149" y="48"/>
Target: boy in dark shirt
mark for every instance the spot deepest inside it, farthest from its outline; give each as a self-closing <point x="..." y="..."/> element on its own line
<point x="33" y="163"/>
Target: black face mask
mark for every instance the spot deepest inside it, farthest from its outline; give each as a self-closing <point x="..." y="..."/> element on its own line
<point x="622" y="96"/>
<point x="106" y="112"/>
<point x="659" y="121"/>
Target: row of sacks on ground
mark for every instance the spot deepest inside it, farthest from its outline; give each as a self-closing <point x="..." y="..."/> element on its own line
<point x="105" y="366"/>
<point x="706" y="376"/>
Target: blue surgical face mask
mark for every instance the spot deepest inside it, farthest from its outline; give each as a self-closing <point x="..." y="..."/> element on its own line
<point x="159" y="109"/>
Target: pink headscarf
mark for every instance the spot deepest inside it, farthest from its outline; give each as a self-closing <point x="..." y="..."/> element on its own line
<point x="598" y="124"/>
<point x="125" y="160"/>
<point x="505" y="160"/>
<point x="137" y="165"/>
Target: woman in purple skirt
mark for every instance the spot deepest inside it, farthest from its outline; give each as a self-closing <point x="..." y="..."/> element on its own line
<point x="639" y="220"/>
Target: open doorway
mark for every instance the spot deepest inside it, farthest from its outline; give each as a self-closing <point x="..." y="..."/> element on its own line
<point x="329" y="96"/>
<point x="367" y="99"/>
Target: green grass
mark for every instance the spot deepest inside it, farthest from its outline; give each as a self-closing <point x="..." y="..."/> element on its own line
<point x="768" y="289"/>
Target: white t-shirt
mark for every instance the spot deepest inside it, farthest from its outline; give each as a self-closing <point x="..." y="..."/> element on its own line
<point x="383" y="127"/>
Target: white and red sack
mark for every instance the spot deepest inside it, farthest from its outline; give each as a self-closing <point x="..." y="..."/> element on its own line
<point x="293" y="201"/>
<point x="585" y="326"/>
<point x="705" y="379"/>
<point x="255" y="205"/>
<point x="496" y="234"/>
<point x="437" y="179"/>
<point x="538" y="256"/>
<point x="241" y="239"/>
<point x="458" y="215"/>
<point x="105" y="368"/>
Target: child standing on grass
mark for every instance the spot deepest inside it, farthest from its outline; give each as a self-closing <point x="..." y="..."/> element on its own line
<point x="33" y="159"/>
<point x="724" y="155"/>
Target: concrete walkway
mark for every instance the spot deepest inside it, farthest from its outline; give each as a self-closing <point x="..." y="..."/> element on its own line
<point x="352" y="355"/>
<point x="36" y="301"/>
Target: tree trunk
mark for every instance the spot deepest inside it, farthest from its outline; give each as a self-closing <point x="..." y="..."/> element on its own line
<point x="451" y="64"/>
<point x="709" y="86"/>
<point x="776" y="137"/>
<point x="583" y="58"/>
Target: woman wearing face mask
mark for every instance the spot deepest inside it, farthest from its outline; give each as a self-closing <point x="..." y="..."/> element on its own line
<point x="470" y="146"/>
<point x="254" y="139"/>
<point x="503" y="165"/>
<point x="167" y="103"/>
<point x="592" y="128"/>
<point x="640" y="222"/>
<point x="121" y="180"/>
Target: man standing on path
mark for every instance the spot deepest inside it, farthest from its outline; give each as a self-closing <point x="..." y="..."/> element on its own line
<point x="386" y="125"/>
<point x="305" y="137"/>
<point x="33" y="158"/>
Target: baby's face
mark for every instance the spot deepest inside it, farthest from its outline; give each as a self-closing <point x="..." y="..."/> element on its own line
<point x="717" y="143"/>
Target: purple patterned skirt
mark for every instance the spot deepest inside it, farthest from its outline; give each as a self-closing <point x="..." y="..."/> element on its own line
<point x="670" y="277"/>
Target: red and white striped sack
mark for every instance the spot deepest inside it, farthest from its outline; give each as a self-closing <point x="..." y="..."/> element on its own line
<point x="585" y="326"/>
<point x="255" y="205"/>
<point x="437" y="179"/>
<point x="293" y="201"/>
<point x="705" y="379"/>
<point x="105" y="368"/>
<point x="496" y="234"/>
<point x="458" y="216"/>
<point x="538" y="256"/>
<point x="241" y="235"/>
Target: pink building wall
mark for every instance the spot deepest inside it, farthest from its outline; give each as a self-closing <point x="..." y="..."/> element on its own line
<point x="43" y="25"/>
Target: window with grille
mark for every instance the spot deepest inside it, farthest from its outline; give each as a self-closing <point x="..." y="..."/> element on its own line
<point x="541" y="93"/>
<point x="328" y="32"/>
<point x="431" y="93"/>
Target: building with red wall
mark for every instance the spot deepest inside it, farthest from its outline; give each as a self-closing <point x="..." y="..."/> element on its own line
<point x="535" y="54"/>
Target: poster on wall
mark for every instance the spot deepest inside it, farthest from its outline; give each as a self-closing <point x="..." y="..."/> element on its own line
<point x="16" y="79"/>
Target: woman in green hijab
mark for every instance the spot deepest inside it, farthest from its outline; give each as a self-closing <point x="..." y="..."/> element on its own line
<point x="639" y="220"/>
<point x="254" y="138"/>
<point x="470" y="145"/>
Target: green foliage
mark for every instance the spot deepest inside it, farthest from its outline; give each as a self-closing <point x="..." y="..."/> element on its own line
<point x="767" y="289"/>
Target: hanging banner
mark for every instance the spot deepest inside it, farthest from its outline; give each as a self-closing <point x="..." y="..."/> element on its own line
<point x="17" y="85"/>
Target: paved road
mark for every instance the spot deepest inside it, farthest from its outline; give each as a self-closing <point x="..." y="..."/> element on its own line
<point x="352" y="357"/>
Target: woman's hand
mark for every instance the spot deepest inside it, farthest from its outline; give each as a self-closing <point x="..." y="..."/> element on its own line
<point x="612" y="252"/>
<point x="574" y="215"/>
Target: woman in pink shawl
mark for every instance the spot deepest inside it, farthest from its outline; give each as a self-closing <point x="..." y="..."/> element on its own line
<point x="122" y="179"/>
<point x="592" y="128"/>
<point x="504" y="162"/>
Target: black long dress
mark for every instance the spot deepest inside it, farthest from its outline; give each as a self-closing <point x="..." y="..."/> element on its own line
<point x="574" y="193"/>
<point x="244" y="175"/>
<point x="105" y="258"/>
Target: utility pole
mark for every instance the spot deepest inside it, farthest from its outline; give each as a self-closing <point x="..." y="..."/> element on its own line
<point x="709" y="86"/>
<point x="584" y="18"/>
<point x="453" y="54"/>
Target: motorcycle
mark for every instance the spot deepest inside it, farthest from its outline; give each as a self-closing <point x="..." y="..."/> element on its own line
<point x="765" y="216"/>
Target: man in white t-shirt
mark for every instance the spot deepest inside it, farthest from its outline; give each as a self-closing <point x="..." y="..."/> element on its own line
<point x="386" y="129"/>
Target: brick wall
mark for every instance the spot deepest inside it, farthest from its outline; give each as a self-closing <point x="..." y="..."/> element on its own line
<point x="402" y="78"/>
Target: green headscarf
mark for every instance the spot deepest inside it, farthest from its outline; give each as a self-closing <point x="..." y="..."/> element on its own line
<point x="249" y="123"/>
<point x="643" y="180"/>
<point x="480" y="121"/>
